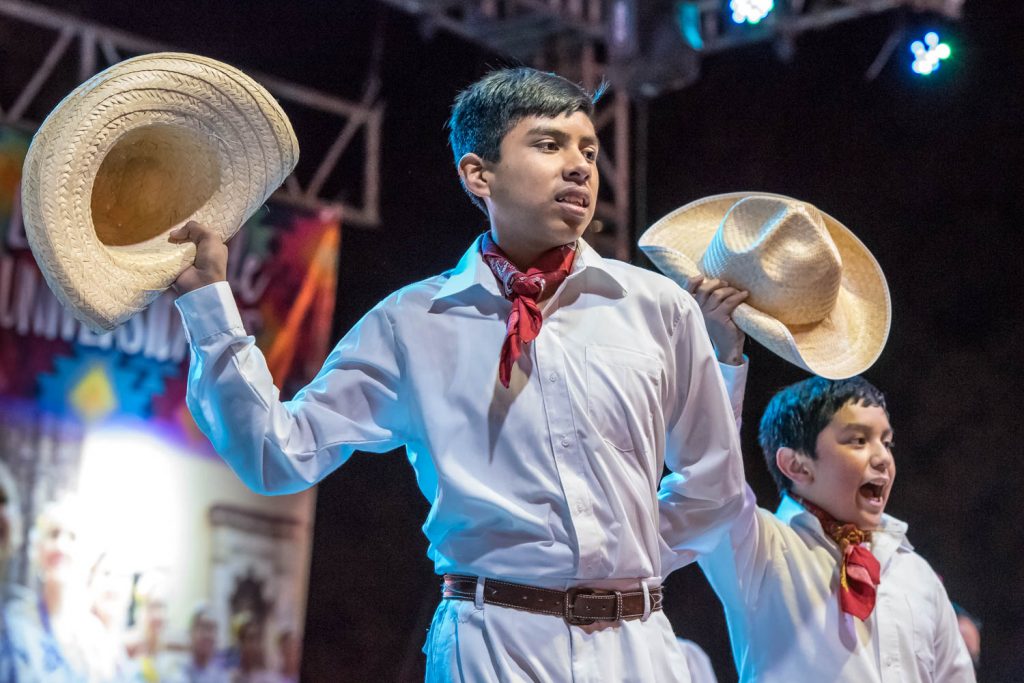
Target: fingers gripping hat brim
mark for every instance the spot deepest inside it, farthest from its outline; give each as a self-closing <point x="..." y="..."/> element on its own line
<point x="130" y="154"/>
<point x="845" y="343"/>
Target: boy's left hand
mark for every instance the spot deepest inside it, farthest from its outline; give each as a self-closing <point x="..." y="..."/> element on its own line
<point x="717" y="300"/>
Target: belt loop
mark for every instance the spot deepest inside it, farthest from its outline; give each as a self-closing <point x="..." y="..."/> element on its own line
<point x="647" y="600"/>
<point x="478" y="597"/>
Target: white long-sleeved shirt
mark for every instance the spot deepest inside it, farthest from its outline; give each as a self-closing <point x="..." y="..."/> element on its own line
<point x="777" y="577"/>
<point x="555" y="478"/>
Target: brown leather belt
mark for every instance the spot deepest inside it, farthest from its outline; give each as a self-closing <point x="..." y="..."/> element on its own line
<point x="577" y="606"/>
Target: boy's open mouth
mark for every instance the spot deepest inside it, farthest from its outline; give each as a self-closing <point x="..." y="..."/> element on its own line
<point x="578" y="201"/>
<point x="873" y="491"/>
<point x="574" y="197"/>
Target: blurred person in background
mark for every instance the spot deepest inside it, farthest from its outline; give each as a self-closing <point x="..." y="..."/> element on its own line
<point x="15" y="600"/>
<point x="10" y="523"/>
<point x="203" y="665"/>
<point x="970" y="630"/>
<point x="249" y="641"/>
<point x="146" y="644"/>
<point x="110" y="590"/>
<point x="289" y="647"/>
<point x="62" y="635"/>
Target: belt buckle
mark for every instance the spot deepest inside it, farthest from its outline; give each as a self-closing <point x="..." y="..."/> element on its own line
<point x="570" y="606"/>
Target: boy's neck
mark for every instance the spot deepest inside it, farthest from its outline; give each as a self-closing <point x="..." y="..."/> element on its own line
<point x="807" y="504"/>
<point x="522" y="256"/>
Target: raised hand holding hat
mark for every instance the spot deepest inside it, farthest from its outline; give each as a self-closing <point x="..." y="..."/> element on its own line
<point x="818" y="297"/>
<point x="135" y="152"/>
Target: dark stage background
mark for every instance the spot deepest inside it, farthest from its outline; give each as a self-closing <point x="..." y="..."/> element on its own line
<point x="928" y="172"/>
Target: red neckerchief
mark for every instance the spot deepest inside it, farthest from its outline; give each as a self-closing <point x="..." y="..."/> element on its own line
<point x="524" y="290"/>
<point x="859" y="570"/>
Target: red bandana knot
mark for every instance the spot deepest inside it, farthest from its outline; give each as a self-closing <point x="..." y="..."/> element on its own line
<point x="524" y="290"/>
<point x="859" y="570"/>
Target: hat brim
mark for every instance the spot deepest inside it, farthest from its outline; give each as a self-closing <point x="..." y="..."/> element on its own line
<point x="243" y="148"/>
<point x="845" y="343"/>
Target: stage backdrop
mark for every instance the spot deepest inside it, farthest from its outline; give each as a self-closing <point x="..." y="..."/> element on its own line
<point x="102" y="419"/>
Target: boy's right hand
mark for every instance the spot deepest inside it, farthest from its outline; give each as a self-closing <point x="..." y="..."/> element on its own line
<point x="211" y="262"/>
<point x="717" y="300"/>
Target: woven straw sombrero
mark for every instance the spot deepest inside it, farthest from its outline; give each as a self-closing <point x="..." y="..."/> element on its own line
<point x="134" y="152"/>
<point x="817" y="296"/>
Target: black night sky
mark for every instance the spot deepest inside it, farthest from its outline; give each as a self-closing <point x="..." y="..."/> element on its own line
<point x="927" y="172"/>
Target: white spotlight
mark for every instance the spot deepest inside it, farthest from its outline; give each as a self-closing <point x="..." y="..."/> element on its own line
<point x="750" y="11"/>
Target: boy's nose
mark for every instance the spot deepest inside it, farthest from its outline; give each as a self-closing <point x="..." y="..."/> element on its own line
<point x="578" y="168"/>
<point x="577" y="174"/>
<point x="881" y="458"/>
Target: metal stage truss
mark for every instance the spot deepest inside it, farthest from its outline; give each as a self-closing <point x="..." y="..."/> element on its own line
<point x="644" y="48"/>
<point x="99" y="47"/>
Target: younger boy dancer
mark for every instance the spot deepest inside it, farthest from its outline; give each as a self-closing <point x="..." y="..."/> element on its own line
<point x="539" y="390"/>
<point x="828" y="588"/>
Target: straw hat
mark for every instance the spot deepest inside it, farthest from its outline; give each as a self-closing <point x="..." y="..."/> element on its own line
<point x="134" y="152"/>
<point x="817" y="296"/>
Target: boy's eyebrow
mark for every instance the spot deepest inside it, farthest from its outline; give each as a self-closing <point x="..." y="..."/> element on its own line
<point x="560" y="135"/>
<point x="857" y="426"/>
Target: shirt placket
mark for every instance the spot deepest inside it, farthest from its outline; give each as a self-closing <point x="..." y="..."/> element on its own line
<point x="569" y="455"/>
<point x="888" y="639"/>
<point x="888" y="615"/>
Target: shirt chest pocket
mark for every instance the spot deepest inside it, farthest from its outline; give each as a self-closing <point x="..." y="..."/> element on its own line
<point x="623" y="394"/>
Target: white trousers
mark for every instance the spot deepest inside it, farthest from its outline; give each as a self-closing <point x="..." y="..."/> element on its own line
<point x="493" y="644"/>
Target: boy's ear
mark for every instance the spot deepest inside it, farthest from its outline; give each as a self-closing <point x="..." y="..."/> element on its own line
<point x="473" y="172"/>
<point x="794" y="465"/>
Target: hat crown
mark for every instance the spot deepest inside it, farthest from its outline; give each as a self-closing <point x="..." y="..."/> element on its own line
<point x="780" y="251"/>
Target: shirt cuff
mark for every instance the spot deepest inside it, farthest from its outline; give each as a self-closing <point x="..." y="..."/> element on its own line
<point x="735" y="377"/>
<point x="734" y="374"/>
<point x="208" y="311"/>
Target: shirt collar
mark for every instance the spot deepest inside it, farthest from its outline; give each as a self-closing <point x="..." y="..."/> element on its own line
<point x="470" y="271"/>
<point x="589" y="261"/>
<point x="473" y="271"/>
<point x="891" y="536"/>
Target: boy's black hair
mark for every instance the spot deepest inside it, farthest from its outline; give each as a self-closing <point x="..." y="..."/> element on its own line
<point x="796" y="415"/>
<point x="487" y="110"/>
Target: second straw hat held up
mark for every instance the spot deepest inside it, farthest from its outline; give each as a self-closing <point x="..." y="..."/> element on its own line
<point x="818" y="297"/>
<point x="135" y="151"/>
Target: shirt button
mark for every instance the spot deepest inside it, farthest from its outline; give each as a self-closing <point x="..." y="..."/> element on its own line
<point x="553" y="377"/>
<point x="566" y="442"/>
<point x="580" y="507"/>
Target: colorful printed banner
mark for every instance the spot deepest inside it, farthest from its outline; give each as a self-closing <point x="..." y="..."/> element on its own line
<point x="101" y="420"/>
<point x="282" y="270"/>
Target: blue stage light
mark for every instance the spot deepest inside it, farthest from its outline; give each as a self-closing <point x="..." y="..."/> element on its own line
<point x="929" y="53"/>
<point x="689" y="20"/>
<point x="750" y="11"/>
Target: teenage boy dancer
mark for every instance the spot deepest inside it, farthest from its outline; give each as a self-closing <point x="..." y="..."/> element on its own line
<point x="828" y="588"/>
<point x="539" y="390"/>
